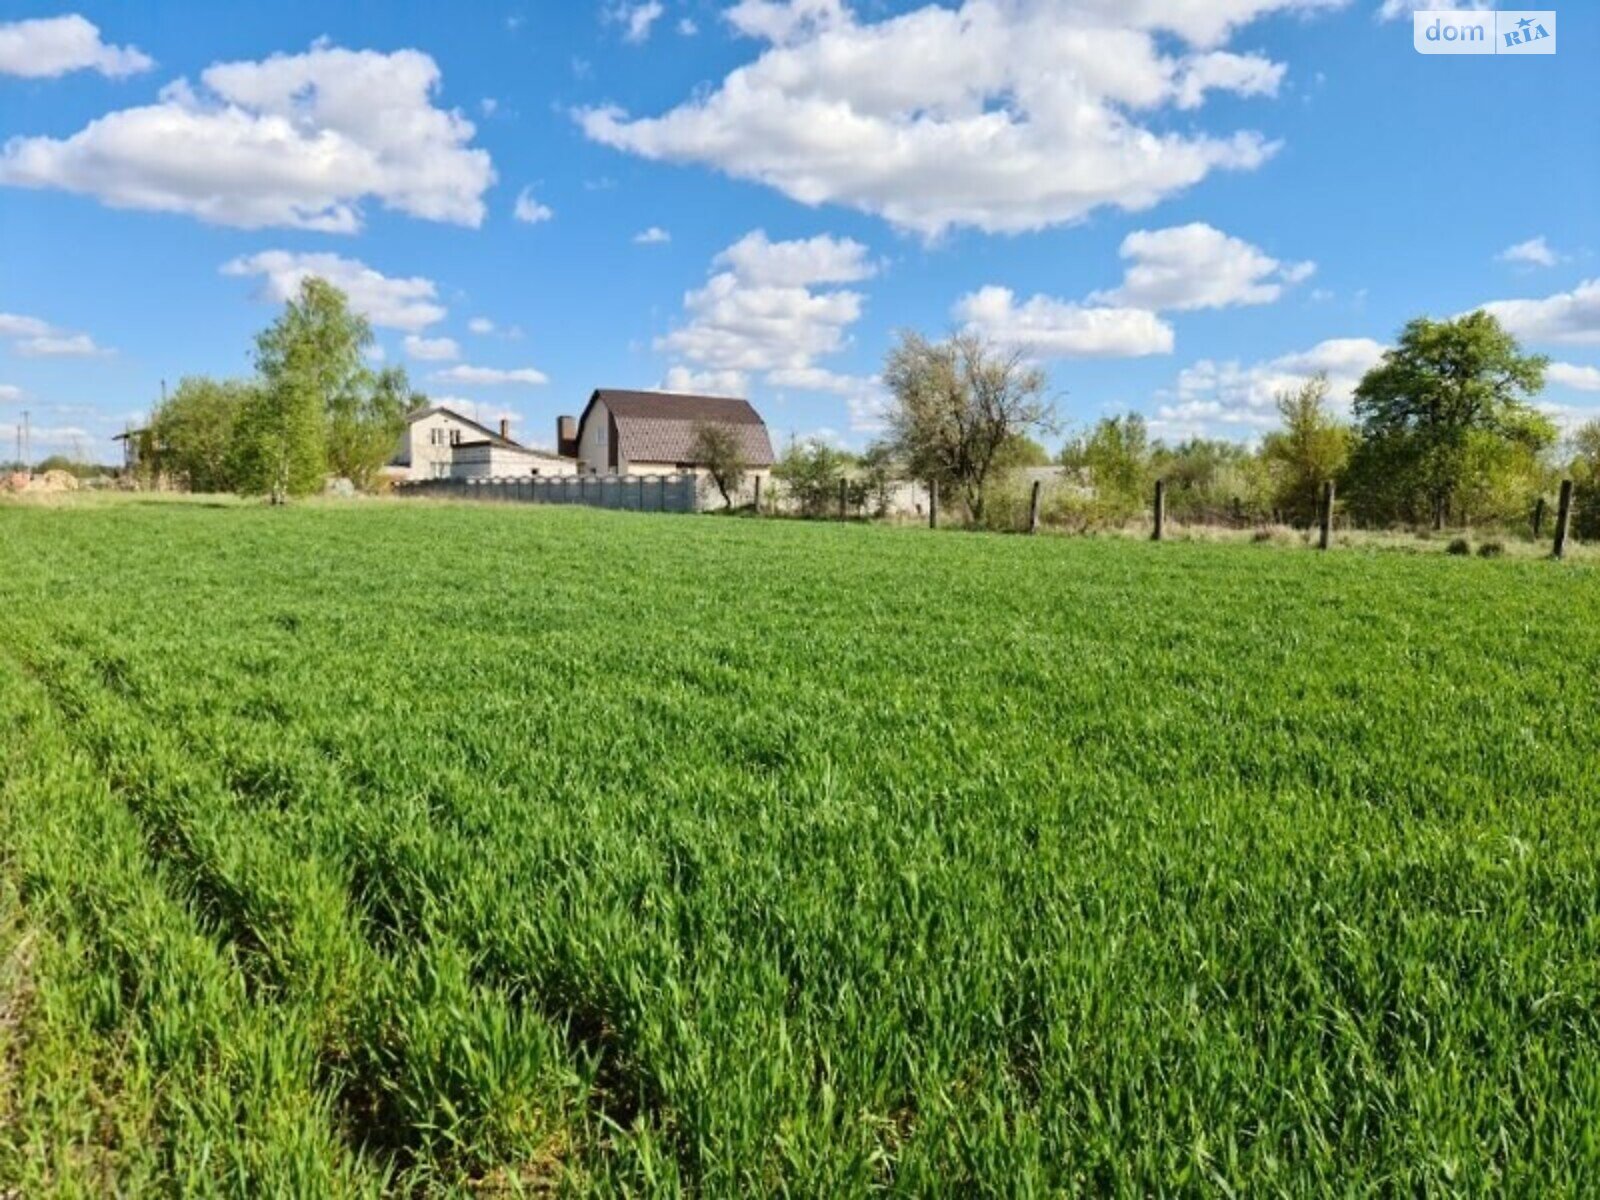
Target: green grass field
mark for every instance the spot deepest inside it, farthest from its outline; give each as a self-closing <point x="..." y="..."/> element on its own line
<point x="416" y="849"/>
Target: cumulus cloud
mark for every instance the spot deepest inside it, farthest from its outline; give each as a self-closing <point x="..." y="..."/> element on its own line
<point x="491" y="376"/>
<point x="1534" y="252"/>
<point x="296" y="140"/>
<point x="1196" y="266"/>
<point x="480" y="326"/>
<point x="46" y="47"/>
<point x="1215" y="398"/>
<point x="1052" y="328"/>
<point x="773" y="309"/>
<point x="392" y="303"/>
<point x="33" y="338"/>
<point x="764" y="310"/>
<point x="706" y="383"/>
<point x="1583" y="379"/>
<point x="654" y="236"/>
<point x="9" y="393"/>
<point x="756" y="260"/>
<point x="1569" y="318"/>
<point x="530" y="210"/>
<point x="440" y="349"/>
<point x="1005" y="116"/>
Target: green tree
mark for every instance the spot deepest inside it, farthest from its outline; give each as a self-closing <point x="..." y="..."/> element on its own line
<point x="716" y="448"/>
<point x="877" y="476"/>
<point x="1312" y="449"/>
<point x="365" y="423"/>
<point x="811" y="470"/>
<point x="957" y="406"/>
<point x="309" y="360"/>
<point x="1585" y="471"/>
<point x="191" y="432"/>
<point x="1114" y="458"/>
<point x="1429" y="411"/>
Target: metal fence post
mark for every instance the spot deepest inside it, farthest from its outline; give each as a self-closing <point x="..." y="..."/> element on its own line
<point x="1161" y="511"/>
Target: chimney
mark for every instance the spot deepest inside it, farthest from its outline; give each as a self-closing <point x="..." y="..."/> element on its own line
<point x="567" y="436"/>
<point x="505" y="428"/>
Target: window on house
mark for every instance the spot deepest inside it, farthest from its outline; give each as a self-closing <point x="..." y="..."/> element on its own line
<point x="455" y="437"/>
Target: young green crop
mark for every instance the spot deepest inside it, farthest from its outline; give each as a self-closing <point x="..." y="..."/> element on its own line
<point x="536" y="848"/>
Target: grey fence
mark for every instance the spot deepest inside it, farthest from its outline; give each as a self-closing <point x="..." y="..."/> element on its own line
<point x="636" y="493"/>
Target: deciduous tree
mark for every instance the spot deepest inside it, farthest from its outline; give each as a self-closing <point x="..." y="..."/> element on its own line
<point x="1428" y="409"/>
<point x="957" y="405"/>
<point x="1311" y="450"/>
<point x="716" y="448"/>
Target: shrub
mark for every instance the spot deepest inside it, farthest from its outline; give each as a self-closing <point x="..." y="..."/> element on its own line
<point x="1459" y="545"/>
<point x="1491" y="550"/>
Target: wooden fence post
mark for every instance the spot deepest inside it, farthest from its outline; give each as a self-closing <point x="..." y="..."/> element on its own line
<point x="1161" y="511"/>
<point x="933" y="504"/>
<point x="1538" y="518"/>
<point x="1563" y="518"/>
<point x="1033" y="508"/>
<point x="842" y="487"/>
<point x="1326" y="539"/>
<point x="758" y="496"/>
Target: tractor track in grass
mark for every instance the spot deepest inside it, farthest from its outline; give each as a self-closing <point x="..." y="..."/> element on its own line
<point x="192" y="819"/>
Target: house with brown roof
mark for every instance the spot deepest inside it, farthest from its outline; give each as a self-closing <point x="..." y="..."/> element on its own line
<point x="653" y="433"/>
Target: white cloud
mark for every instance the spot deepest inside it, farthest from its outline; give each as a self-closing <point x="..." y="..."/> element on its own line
<point x="488" y="105"/>
<point x="706" y="383"/>
<point x="530" y="210"/>
<point x="49" y="46"/>
<point x="1583" y="379"/>
<point x="1052" y="328"/>
<point x="773" y="308"/>
<point x="654" y="236"/>
<point x="392" y="303"/>
<point x="1570" y="318"/>
<point x="821" y="259"/>
<point x="687" y="27"/>
<point x="735" y="325"/>
<point x="487" y="414"/>
<point x="1534" y="252"/>
<point x="864" y="395"/>
<point x="1214" y="397"/>
<point x="32" y="338"/>
<point x="480" y="326"/>
<point x="1197" y="266"/>
<point x="9" y="393"/>
<point x="637" y="19"/>
<point x="1394" y="10"/>
<point x="491" y="376"/>
<point x="293" y="140"/>
<point x="423" y="349"/>
<point x="1005" y="115"/>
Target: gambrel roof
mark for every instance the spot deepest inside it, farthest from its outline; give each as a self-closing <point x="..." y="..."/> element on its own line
<point x="660" y="426"/>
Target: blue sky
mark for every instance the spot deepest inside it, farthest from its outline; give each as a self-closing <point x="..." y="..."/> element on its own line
<point x="1179" y="207"/>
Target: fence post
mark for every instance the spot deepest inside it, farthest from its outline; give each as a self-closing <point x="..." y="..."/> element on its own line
<point x="841" y="497"/>
<point x="758" y="496"/>
<point x="933" y="504"/>
<point x="1538" y="518"/>
<point x="1563" y="518"/>
<point x="1033" y="508"/>
<point x="663" y="506"/>
<point x="1161" y="511"/>
<point x="1327" y="516"/>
